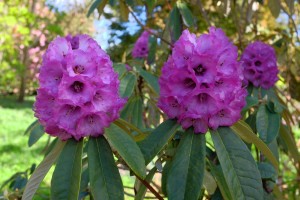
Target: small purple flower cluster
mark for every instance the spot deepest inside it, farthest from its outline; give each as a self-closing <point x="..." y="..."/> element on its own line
<point x="260" y="67"/>
<point x="201" y="83"/>
<point x="141" y="47"/>
<point x="78" y="94"/>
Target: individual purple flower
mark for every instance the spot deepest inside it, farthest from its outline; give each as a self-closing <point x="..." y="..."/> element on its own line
<point x="260" y="66"/>
<point x="202" y="82"/>
<point x="141" y="47"/>
<point x="78" y="94"/>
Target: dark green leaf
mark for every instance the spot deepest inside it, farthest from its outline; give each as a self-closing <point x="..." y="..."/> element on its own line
<point x="222" y="185"/>
<point x="157" y="139"/>
<point x="267" y="171"/>
<point x="120" y="69"/>
<point x="267" y="124"/>
<point x="142" y="190"/>
<point x="164" y="177"/>
<point x="93" y="7"/>
<point x="150" y="6"/>
<point x="127" y="149"/>
<point x="127" y="85"/>
<point x="251" y="101"/>
<point x="152" y="50"/>
<point x="133" y="112"/>
<point x="175" y="24"/>
<point x="112" y="2"/>
<point x="239" y="168"/>
<point x="187" y="170"/>
<point x="105" y="180"/>
<point x="151" y="80"/>
<point x="35" y="134"/>
<point x="186" y="14"/>
<point x="65" y="182"/>
<point x="41" y="171"/>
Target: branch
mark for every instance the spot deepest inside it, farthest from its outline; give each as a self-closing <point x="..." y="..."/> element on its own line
<point x="145" y="27"/>
<point x="145" y="183"/>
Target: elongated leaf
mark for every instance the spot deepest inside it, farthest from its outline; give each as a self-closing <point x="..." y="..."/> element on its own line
<point x="267" y="124"/>
<point x="274" y="6"/>
<point x="41" y="171"/>
<point x="142" y="190"/>
<point x="124" y="11"/>
<point x="221" y="182"/>
<point x="164" y="177"/>
<point x="99" y="4"/>
<point x="175" y="24"/>
<point x="152" y="49"/>
<point x="186" y="14"/>
<point x="266" y="170"/>
<point x="209" y="183"/>
<point x="240" y="170"/>
<point x="30" y="127"/>
<point x="127" y="149"/>
<point x="127" y="85"/>
<point x="245" y="132"/>
<point x="157" y="139"/>
<point x="151" y="80"/>
<point x="104" y="175"/>
<point x="150" y="6"/>
<point x="289" y="140"/>
<point x="251" y="101"/>
<point x="187" y="170"/>
<point x="65" y="183"/>
<point x="35" y="134"/>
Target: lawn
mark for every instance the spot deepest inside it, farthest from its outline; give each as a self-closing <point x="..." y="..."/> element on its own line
<point x="15" y="155"/>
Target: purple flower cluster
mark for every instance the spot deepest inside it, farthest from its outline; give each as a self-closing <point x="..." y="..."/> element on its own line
<point x="78" y="94"/>
<point x="201" y="83"/>
<point x="141" y="48"/>
<point x="260" y="67"/>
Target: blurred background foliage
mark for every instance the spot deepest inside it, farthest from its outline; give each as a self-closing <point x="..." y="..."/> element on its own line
<point x="28" y="26"/>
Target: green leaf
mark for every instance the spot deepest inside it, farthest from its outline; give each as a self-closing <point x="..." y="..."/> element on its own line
<point x="151" y="79"/>
<point x="239" y="168"/>
<point x="35" y="134"/>
<point x="93" y="7"/>
<point x="142" y="190"/>
<point x="245" y="132"/>
<point x="101" y="6"/>
<point x="266" y="170"/>
<point x="291" y="144"/>
<point x="41" y="171"/>
<point x="150" y="6"/>
<point x="274" y="6"/>
<point x="127" y="149"/>
<point x="186" y="14"/>
<point x="127" y="85"/>
<point x="221" y="182"/>
<point x="187" y="170"/>
<point x="267" y="124"/>
<point x="157" y="139"/>
<point x="65" y="182"/>
<point x="152" y="49"/>
<point x="209" y="183"/>
<point x="105" y="180"/>
<point x="164" y="177"/>
<point x="124" y="11"/>
<point x="120" y="69"/>
<point x="251" y="101"/>
<point x="175" y="24"/>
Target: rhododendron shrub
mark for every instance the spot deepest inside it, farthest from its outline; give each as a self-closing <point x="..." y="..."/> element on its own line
<point x="201" y="83"/>
<point x="78" y="94"/>
<point x="260" y="65"/>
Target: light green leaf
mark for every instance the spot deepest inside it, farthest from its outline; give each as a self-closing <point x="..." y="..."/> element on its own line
<point x="105" y="180"/>
<point x="41" y="171"/>
<point x="244" y="131"/>
<point x="239" y="167"/>
<point x="274" y="6"/>
<point x="127" y="149"/>
<point x="157" y="139"/>
<point x="124" y="11"/>
<point x="187" y="169"/>
<point x="186" y="14"/>
<point x="65" y="182"/>
<point x="209" y="183"/>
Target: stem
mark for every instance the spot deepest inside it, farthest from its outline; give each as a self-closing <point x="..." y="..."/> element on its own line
<point x="145" y="27"/>
<point x="122" y="121"/>
<point x="145" y="183"/>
